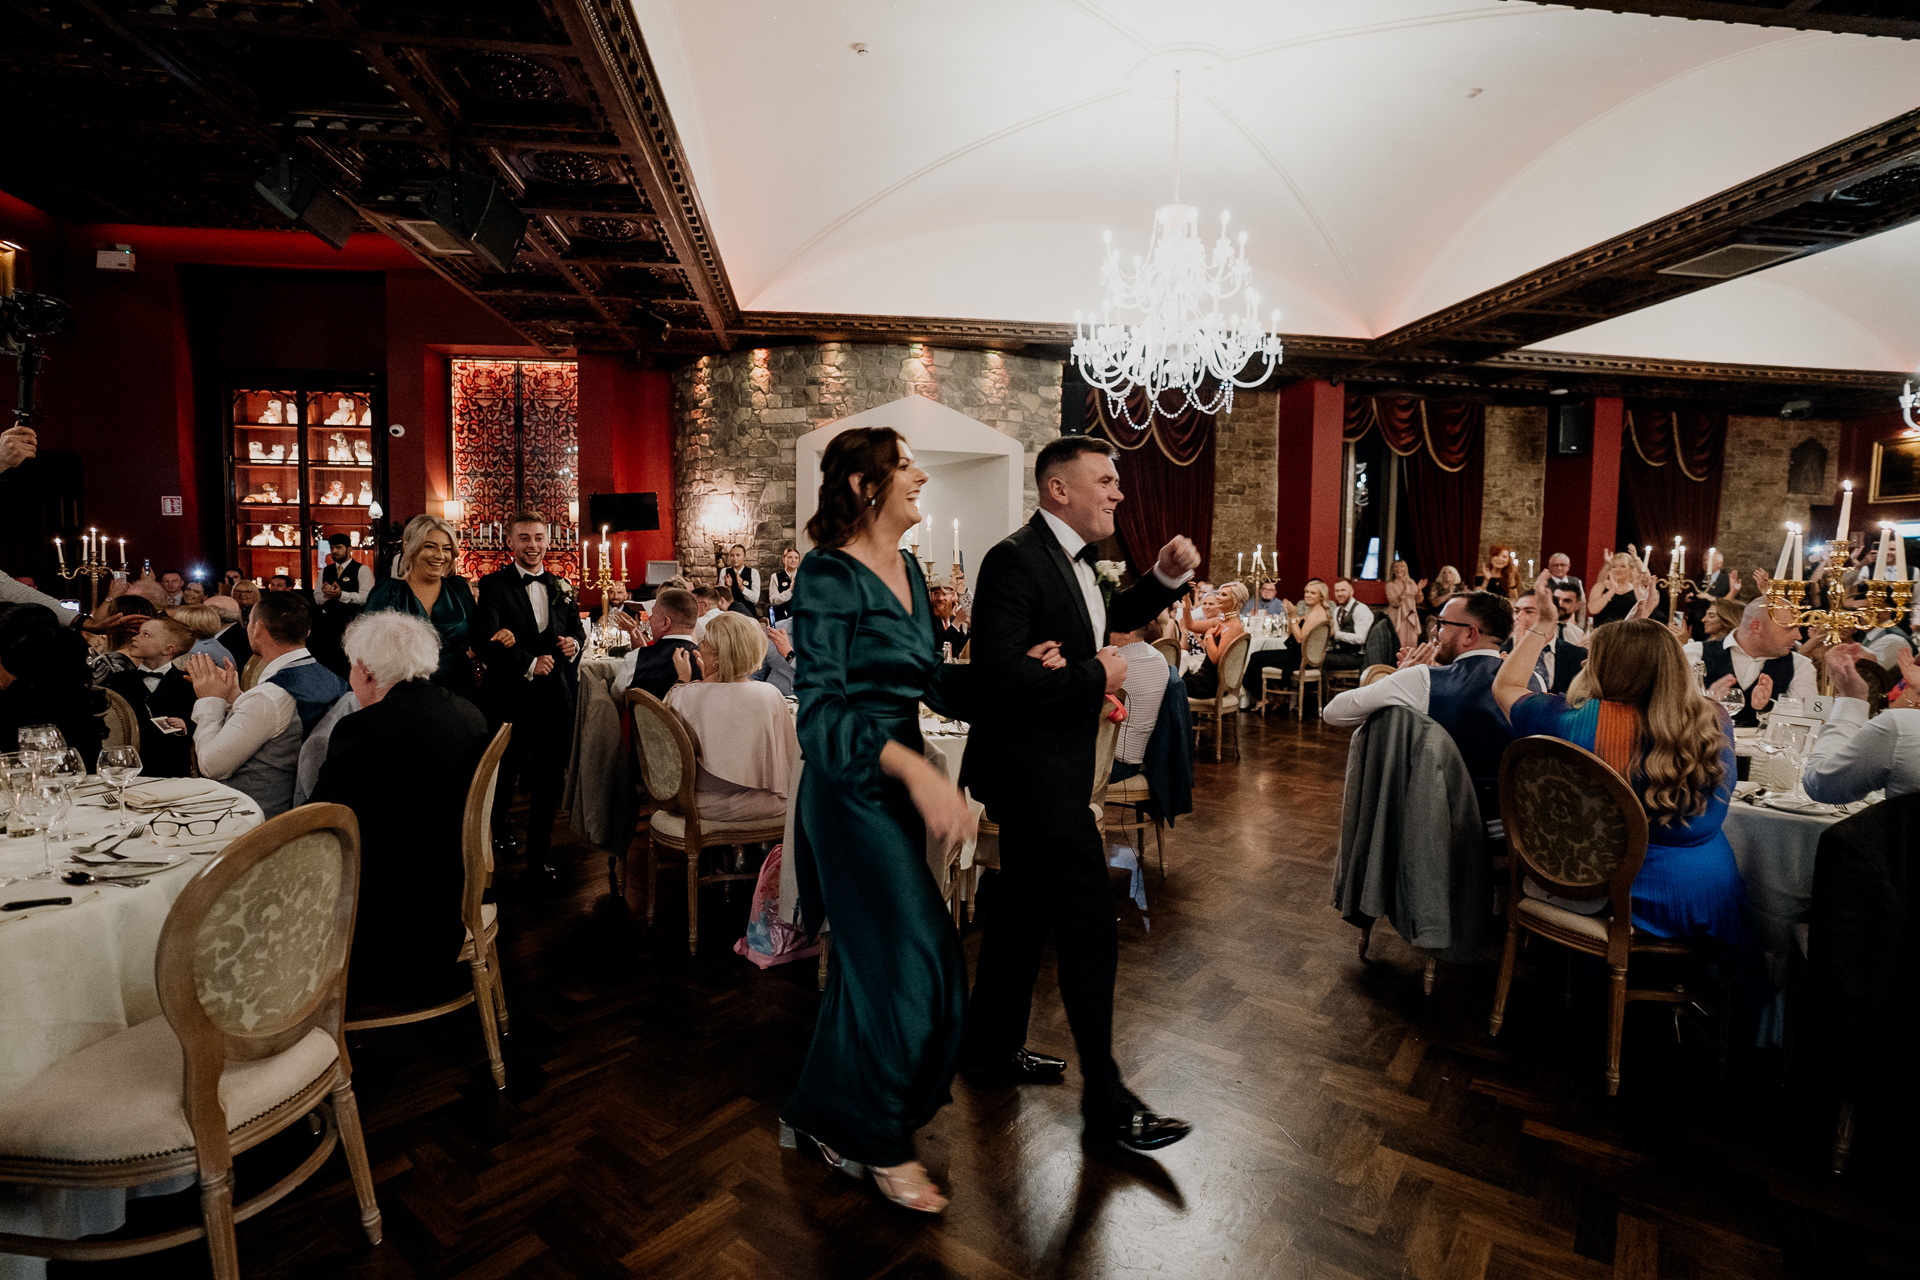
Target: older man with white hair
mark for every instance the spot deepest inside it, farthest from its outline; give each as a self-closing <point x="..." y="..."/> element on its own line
<point x="403" y="762"/>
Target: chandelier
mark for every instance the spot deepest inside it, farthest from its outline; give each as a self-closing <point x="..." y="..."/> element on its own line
<point x="1908" y="403"/>
<point x="1183" y="340"/>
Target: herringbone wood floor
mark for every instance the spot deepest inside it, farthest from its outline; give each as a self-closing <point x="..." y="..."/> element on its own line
<point x="1347" y="1126"/>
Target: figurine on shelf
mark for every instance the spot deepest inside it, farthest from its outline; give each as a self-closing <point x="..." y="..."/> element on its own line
<point x="293" y="453"/>
<point x="256" y="451"/>
<point x="264" y="538"/>
<point x="274" y="414"/>
<point x="362" y="452"/>
<point x="277" y="453"/>
<point x="338" y="450"/>
<point x="366" y="493"/>
<point x="335" y="495"/>
<point x="343" y="415"/>
<point x="269" y="494"/>
<point x="366" y="416"/>
<point x="353" y="537"/>
<point x="287" y="539"/>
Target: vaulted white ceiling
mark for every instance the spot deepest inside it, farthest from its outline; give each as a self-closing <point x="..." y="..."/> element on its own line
<point x="1387" y="157"/>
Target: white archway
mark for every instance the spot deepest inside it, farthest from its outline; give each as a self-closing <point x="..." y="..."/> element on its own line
<point x="974" y="473"/>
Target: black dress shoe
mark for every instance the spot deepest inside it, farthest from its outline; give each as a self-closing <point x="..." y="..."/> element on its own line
<point x="1022" y="1066"/>
<point x="1143" y="1129"/>
<point x="505" y="845"/>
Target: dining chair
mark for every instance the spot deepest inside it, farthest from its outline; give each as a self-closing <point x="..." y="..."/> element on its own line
<point x="123" y="727"/>
<point x="1312" y="653"/>
<point x="1136" y="794"/>
<point x="1576" y="829"/>
<point x="249" y="1042"/>
<point x="669" y="766"/>
<point x="1378" y="671"/>
<point x="1170" y="650"/>
<point x="250" y="674"/>
<point x="481" y="950"/>
<point x="1226" y="697"/>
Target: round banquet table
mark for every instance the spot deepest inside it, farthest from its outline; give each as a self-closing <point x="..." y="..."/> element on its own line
<point x="75" y="974"/>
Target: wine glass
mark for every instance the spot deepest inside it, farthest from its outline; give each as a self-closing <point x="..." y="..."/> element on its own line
<point x="16" y="771"/>
<point x="1798" y="742"/>
<point x="120" y="766"/>
<point x="40" y="804"/>
<point x="1732" y="701"/>
<point x="64" y="769"/>
<point x="41" y="737"/>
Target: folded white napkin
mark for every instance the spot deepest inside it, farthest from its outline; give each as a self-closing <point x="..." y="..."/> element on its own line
<point x="169" y="790"/>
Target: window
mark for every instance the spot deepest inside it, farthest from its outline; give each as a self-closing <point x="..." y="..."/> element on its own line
<point x="1375" y="509"/>
<point x="515" y="445"/>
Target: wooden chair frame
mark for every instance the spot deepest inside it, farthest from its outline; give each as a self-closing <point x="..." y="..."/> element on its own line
<point x="1170" y="650"/>
<point x="207" y="1048"/>
<point x="1313" y="651"/>
<point x="1378" y="671"/>
<point x="1622" y="942"/>
<point x="481" y="951"/>
<point x="678" y="796"/>
<point x="1226" y="698"/>
<point x="123" y="726"/>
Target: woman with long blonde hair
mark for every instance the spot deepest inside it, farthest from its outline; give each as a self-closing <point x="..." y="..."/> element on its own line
<point x="1635" y="706"/>
<point x="1618" y="590"/>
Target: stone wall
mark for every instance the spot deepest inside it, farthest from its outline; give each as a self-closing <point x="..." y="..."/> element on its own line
<point x="1516" y="475"/>
<point x="736" y="417"/>
<point x="1246" y="479"/>
<point x="1753" y="496"/>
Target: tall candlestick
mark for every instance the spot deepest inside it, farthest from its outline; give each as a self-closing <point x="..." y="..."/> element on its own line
<point x="623" y="559"/>
<point x="956" y="540"/>
<point x="123" y="555"/>
<point x="60" y="551"/>
<point x="1846" y="508"/>
<point x="1786" y="549"/>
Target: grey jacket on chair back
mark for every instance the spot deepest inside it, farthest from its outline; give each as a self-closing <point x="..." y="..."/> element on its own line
<point x="1412" y="847"/>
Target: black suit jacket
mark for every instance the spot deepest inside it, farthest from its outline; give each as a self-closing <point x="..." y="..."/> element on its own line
<point x="1567" y="660"/>
<point x="162" y="755"/>
<point x="234" y="641"/>
<point x="1030" y="755"/>
<point x="653" y="665"/>
<point x="403" y="765"/>
<point x="503" y="603"/>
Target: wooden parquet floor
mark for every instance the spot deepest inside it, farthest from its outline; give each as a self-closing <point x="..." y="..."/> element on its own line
<point x="1347" y="1125"/>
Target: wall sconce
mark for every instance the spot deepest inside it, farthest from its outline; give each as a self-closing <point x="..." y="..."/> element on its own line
<point x="452" y="510"/>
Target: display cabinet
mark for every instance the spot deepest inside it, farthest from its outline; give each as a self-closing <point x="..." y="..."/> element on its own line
<point x="305" y="461"/>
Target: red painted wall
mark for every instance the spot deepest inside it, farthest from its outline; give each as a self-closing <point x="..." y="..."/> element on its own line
<point x="1307" y="541"/>
<point x="1580" y="519"/>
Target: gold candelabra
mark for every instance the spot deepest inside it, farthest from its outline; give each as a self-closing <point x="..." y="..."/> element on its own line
<point x="92" y="564"/>
<point x="1886" y="601"/>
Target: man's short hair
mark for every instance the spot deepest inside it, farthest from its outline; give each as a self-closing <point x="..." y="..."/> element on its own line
<point x="1490" y="611"/>
<point x="723" y="594"/>
<point x="676" y="583"/>
<point x="705" y="592"/>
<point x="132" y="604"/>
<point x="677" y="601"/>
<point x="1348" y="581"/>
<point x="394" y="646"/>
<point x="286" y="578"/>
<point x="227" y="607"/>
<point x="179" y="638"/>
<point x="1059" y="453"/>
<point x="339" y="540"/>
<point x="1757" y="608"/>
<point x="525" y="517"/>
<point x="285" y="616"/>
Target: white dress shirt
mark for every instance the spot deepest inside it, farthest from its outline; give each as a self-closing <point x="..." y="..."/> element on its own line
<point x="1854" y="755"/>
<point x="1407" y="687"/>
<point x="537" y="598"/>
<point x="1071" y="542"/>
<point x="1746" y="668"/>
<point x="700" y="623"/>
<point x="1886" y="645"/>
<point x="227" y="736"/>
<point x="364" y="578"/>
<point x="1360" y="621"/>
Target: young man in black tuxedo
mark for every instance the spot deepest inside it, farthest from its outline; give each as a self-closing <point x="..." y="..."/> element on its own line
<point x="530" y="679"/>
<point x="1030" y="761"/>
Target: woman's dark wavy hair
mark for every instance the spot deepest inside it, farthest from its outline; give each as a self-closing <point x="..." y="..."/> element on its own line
<point x="873" y="454"/>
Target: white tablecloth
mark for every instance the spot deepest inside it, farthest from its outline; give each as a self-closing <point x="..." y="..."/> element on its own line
<point x="1775" y="851"/>
<point x="72" y="975"/>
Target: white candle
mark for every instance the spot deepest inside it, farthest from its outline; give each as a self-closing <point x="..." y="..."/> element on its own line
<point x="623" y="559"/>
<point x="1799" y="554"/>
<point x="1240" y="566"/>
<point x="123" y="555"/>
<point x="60" y="551"/>
<point x="956" y="541"/>
<point x="1846" y="508"/>
<point x="1786" y="549"/>
<point x="1257" y="548"/>
<point x="1683" y="560"/>
<point x="1883" y="567"/>
<point x="1900" y="556"/>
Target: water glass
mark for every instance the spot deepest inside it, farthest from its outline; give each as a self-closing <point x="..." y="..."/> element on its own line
<point x="1733" y="702"/>
<point x="16" y="774"/>
<point x="40" y="806"/>
<point x="120" y="766"/>
<point x="1799" y="741"/>
<point x="41" y="737"/>
<point x="66" y="770"/>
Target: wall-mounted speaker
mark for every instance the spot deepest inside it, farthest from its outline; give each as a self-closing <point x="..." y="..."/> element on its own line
<point x="1073" y="401"/>
<point x="294" y="190"/>
<point x="623" y="512"/>
<point x="1570" y="431"/>
<point x="477" y="210"/>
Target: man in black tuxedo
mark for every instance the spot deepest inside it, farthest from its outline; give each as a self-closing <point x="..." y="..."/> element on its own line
<point x="161" y="697"/>
<point x="530" y="679"/>
<point x="1030" y="761"/>
<point x="673" y="613"/>
<point x="1559" y="662"/>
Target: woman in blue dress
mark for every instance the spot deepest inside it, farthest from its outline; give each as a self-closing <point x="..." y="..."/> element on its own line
<point x="1635" y="706"/>
<point x="429" y="587"/>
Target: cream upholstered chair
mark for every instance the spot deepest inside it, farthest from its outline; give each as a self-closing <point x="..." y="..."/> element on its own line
<point x="1226" y="698"/>
<point x="1312" y="653"/>
<point x="481" y="950"/>
<point x="250" y="674"/>
<point x="1170" y="650"/>
<point x="249" y="1042"/>
<point x="1575" y="827"/>
<point x="669" y="765"/>
<point x="1378" y="671"/>
<point x="123" y="727"/>
<point x="1133" y="793"/>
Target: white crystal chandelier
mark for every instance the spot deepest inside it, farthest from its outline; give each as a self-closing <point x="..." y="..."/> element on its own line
<point x="1182" y="340"/>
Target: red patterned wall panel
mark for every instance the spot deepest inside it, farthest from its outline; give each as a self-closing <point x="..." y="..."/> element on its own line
<point x="515" y="444"/>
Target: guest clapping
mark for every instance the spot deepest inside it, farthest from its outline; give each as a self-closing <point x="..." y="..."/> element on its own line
<point x="428" y="588"/>
<point x="742" y="726"/>
<point x="1223" y="609"/>
<point x="44" y="680"/>
<point x="674" y="611"/>
<point x="1855" y="755"/>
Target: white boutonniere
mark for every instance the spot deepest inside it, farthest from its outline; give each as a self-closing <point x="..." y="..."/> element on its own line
<point x="1106" y="573"/>
<point x="563" y="590"/>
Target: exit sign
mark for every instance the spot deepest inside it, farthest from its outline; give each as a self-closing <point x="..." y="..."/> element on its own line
<point x="172" y="506"/>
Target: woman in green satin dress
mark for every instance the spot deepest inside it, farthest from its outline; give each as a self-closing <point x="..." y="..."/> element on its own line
<point x="429" y="587"/>
<point x="888" y="1036"/>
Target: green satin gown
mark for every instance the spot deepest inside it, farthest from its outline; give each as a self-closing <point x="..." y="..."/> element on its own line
<point x="887" y="1039"/>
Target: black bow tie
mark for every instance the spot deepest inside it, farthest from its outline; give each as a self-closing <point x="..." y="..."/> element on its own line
<point x="532" y="577"/>
<point x="1087" y="554"/>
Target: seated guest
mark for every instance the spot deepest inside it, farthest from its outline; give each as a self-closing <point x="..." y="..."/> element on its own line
<point x="246" y="593"/>
<point x="160" y="695"/>
<point x="280" y="582"/>
<point x="44" y="680"/>
<point x="947" y="630"/>
<point x="1351" y="621"/>
<point x="251" y="740"/>
<point x="1558" y="575"/>
<point x="674" y="612"/>
<point x="1719" y="622"/>
<point x="125" y="615"/>
<point x="1501" y="573"/>
<point x="403" y="762"/>
<point x="1560" y="661"/>
<point x="1226" y="602"/>
<point x="1854" y="755"/>
<point x="1269" y="602"/>
<point x="712" y="603"/>
<point x="1615" y="595"/>
<point x="1635" y="706"/>
<point x="428" y="588"/>
<point x="777" y="667"/>
<point x="1146" y="687"/>
<point x="1311" y="613"/>
<point x="1886" y="644"/>
<point x="194" y="592"/>
<point x="205" y="623"/>
<point x="1758" y="656"/>
<point x="1451" y="680"/>
<point x="232" y="635"/>
<point x="743" y="728"/>
<point x="1201" y="612"/>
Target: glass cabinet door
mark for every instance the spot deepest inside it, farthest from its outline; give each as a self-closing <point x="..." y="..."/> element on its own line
<point x="340" y="475"/>
<point x="267" y="484"/>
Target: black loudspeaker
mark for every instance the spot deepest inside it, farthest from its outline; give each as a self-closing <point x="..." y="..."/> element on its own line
<point x="484" y="218"/>
<point x="293" y="189"/>
<point x="1570" y="433"/>
<point x="1073" y="401"/>
<point x="623" y="512"/>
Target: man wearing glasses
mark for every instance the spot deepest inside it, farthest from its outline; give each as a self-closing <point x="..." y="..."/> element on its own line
<point x="1450" y="678"/>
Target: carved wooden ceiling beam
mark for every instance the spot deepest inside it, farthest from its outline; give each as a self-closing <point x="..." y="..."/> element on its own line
<point x="1896" y="20"/>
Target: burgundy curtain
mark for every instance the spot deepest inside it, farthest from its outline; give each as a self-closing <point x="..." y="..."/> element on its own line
<point x="1445" y="468"/>
<point x="1164" y="497"/>
<point x="1180" y="430"/>
<point x="1670" y="473"/>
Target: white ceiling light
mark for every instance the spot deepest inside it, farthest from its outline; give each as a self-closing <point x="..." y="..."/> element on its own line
<point x="1182" y="339"/>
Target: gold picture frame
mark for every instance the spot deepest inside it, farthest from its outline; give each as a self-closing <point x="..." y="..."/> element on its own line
<point x="1896" y="470"/>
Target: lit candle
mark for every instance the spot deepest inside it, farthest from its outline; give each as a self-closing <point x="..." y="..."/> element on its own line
<point x="60" y="551"/>
<point x="1683" y="560"/>
<point x="1257" y="548"/>
<point x="1883" y="567"/>
<point x="1900" y="555"/>
<point x="623" y="559"/>
<point x="123" y="555"/>
<point x="1846" y="508"/>
<point x="1240" y="566"/>
<point x="573" y="511"/>
<point x="1799" y="554"/>
<point x="1530" y="574"/>
<point x="1786" y="549"/>
<point x="956" y="541"/>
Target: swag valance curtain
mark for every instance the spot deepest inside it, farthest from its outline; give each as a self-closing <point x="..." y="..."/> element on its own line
<point x="1445" y="471"/>
<point x="1670" y="474"/>
<point x="1178" y="430"/>
<point x="1168" y="488"/>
